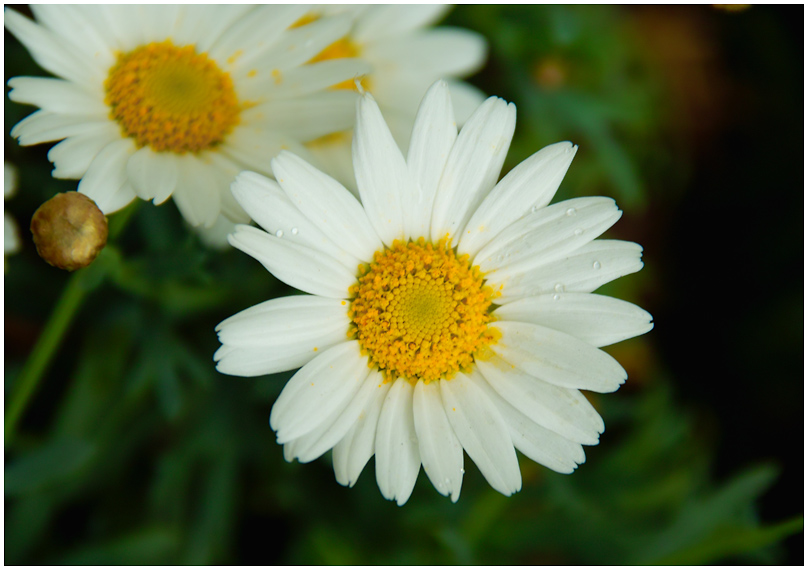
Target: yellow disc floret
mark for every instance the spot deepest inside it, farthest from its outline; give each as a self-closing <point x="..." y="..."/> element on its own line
<point x="421" y="312"/>
<point x="171" y="98"/>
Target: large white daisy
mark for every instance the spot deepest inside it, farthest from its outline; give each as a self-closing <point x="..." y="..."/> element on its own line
<point x="445" y="312"/>
<point x="162" y="101"/>
<point x="406" y="55"/>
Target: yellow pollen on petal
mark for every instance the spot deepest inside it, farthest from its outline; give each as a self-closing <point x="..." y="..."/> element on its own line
<point x="171" y="98"/>
<point x="419" y="311"/>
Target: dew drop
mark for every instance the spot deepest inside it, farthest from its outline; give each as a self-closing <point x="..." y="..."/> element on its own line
<point x="463" y="471"/>
<point x="533" y="208"/>
<point x="570" y="212"/>
<point x="559" y="288"/>
<point x="279" y="233"/>
<point x="596" y="265"/>
<point x="556" y="297"/>
<point x="578" y="231"/>
<point x="294" y="231"/>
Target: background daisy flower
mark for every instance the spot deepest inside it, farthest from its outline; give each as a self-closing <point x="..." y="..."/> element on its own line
<point x="164" y="101"/>
<point x="405" y="56"/>
<point x="445" y="313"/>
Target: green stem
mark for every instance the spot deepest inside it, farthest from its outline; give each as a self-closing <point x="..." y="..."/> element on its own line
<point x="81" y="283"/>
<point x="44" y="350"/>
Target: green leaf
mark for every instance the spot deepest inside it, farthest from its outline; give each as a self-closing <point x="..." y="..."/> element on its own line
<point x="148" y="546"/>
<point x="47" y="466"/>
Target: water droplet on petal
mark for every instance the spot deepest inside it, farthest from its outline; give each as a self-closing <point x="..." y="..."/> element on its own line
<point x="559" y="288"/>
<point x="578" y="231"/>
<point x="279" y="233"/>
<point x="533" y="208"/>
<point x="596" y="265"/>
<point x="556" y="297"/>
<point x="463" y="471"/>
<point x="570" y="211"/>
<point x="294" y="231"/>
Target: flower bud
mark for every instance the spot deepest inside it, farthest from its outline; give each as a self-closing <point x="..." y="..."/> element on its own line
<point x="69" y="231"/>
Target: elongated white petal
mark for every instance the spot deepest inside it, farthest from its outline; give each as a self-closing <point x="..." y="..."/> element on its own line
<point x="300" y="81"/>
<point x="482" y="432"/>
<point x="196" y="194"/>
<point x="106" y="176"/>
<point x="445" y="52"/>
<point x="382" y="176"/>
<point x="548" y="234"/>
<point x="327" y="204"/>
<point x="332" y="430"/>
<point x="57" y="96"/>
<point x="49" y="50"/>
<point x="526" y="188"/>
<point x="595" y="319"/>
<point x="64" y="20"/>
<point x="434" y="133"/>
<point x="44" y="126"/>
<point x="383" y="21"/>
<point x="301" y="267"/>
<point x="440" y="450"/>
<point x="72" y="157"/>
<point x="396" y="446"/>
<point x="319" y="388"/>
<point x="558" y="358"/>
<point x="584" y="270"/>
<point x="280" y="334"/>
<point x="473" y="166"/>
<point x="302" y="118"/>
<point x="269" y="206"/>
<point x="562" y="410"/>
<point x="153" y="175"/>
<point x="352" y="453"/>
<point x="538" y="443"/>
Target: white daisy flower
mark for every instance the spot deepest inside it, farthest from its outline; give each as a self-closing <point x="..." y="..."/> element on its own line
<point x="160" y="101"/>
<point x="11" y="235"/>
<point x="406" y="56"/>
<point x="445" y="312"/>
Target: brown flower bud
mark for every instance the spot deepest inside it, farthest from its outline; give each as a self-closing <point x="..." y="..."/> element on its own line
<point x="69" y="231"/>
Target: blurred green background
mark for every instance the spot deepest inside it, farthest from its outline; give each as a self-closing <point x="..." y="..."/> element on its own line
<point x="134" y="450"/>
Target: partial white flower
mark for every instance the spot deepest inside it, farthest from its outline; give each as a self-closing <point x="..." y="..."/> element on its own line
<point x="11" y="235"/>
<point x="160" y="101"/>
<point x="445" y="312"/>
<point x="406" y="55"/>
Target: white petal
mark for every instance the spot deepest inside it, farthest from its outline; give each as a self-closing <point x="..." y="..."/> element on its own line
<point x="327" y="204"/>
<point x="443" y="52"/>
<point x="280" y="334"/>
<point x="65" y="20"/>
<point x="321" y="386"/>
<point x="299" y="266"/>
<point x="473" y="166"/>
<point x="43" y="126"/>
<point x="197" y="193"/>
<point x="595" y="319"/>
<point x="482" y="432"/>
<point x="106" y="175"/>
<point x="332" y="430"/>
<point x="153" y="175"/>
<point x="307" y="79"/>
<point x="50" y="51"/>
<point x="269" y="206"/>
<point x="558" y="358"/>
<point x="586" y="269"/>
<point x="57" y="96"/>
<point x="539" y="444"/>
<point x="434" y="133"/>
<point x="527" y="187"/>
<point x="382" y="22"/>
<point x="253" y="35"/>
<point x="562" y="410"/>
<point x="382" y="176"/>
<point x="396" y="446"/>
<point x="465" y="99"/>
<point x="73" y="156"/>
<point x="352" y="453"/>
<point x="303" y="118"/>
<point x="547" y="235"/>
<point x="440" y="450"/>
<point x="203" y="25"/>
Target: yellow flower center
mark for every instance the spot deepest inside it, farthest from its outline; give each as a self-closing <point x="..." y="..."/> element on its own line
<point x="421" y="312"/>
<point x="171" y="98"/>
